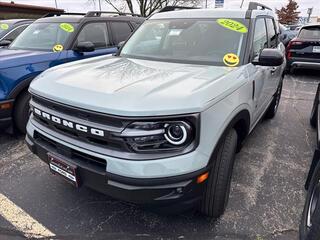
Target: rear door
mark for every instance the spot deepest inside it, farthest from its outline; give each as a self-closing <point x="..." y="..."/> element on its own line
<point x="307" y="44"/>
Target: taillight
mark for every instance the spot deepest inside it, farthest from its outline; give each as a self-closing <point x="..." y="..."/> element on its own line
<point x="290" y="45"/>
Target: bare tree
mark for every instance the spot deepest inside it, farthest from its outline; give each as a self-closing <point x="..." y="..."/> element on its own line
<point x="147" y="7"/>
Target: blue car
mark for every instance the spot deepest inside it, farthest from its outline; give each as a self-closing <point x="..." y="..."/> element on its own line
<point x="49" y="42"/>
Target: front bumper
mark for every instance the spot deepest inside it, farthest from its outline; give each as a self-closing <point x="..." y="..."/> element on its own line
<point x="174" y="193"/>
<point x="6" y="114"/>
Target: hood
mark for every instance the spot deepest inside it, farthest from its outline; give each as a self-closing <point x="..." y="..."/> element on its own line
<point x="12" y="58"/>
<point x="131" y="87"/>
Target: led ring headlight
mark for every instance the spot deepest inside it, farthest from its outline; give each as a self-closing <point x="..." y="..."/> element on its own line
<point x="170" y="134"/>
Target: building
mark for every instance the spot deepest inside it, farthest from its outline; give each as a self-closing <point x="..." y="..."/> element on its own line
<point x="13" y="10"/>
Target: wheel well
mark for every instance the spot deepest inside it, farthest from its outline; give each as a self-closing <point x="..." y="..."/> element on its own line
<point x="242" y="129"/>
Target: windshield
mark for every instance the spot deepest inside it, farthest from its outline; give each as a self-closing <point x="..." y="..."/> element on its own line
<point x="44" y="37"/>
<point x="195" y="41"/>
<point x="4" y="28"/>
<point x="310" y="33"/>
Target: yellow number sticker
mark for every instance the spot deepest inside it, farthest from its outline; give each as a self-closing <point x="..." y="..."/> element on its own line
<point x="57" y="48"/>
<point x="231" y="60"/>
<point x="232" y="25"/>
<point x="67" y="27"/>
<point x="4" y="26"/>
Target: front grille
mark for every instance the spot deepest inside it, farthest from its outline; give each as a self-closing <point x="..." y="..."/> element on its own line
<point x="109" y="125"/>
<point x="72" y="154"/>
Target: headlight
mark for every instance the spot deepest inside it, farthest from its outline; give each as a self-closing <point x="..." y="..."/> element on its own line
<point x="159" y="136"/>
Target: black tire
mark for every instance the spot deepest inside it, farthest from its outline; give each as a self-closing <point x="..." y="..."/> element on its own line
<point x="312" y="232"/>
<point x="216" y="194"/>
<point x="21" y="111"/>
<point x="314" y="111"/>
<point x="273" y="108"/>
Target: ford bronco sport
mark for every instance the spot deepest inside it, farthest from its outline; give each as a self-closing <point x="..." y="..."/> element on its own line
<point x="51" y="41"/>
<point x="159" y="123"/>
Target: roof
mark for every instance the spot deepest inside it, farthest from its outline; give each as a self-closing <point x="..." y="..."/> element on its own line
<point x="78" y="18"/>
<point x="14" y="21"/>
<point x="210" y="13"/>
<point x="24" y="7"/>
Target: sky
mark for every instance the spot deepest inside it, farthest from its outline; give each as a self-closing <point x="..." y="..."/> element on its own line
<point x="87" y="5"/>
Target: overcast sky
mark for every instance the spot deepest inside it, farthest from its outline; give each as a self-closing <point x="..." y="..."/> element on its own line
<point x="86" y="5"/>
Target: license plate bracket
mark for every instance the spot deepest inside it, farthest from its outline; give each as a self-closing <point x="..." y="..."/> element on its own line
<point x="64" y="169"/>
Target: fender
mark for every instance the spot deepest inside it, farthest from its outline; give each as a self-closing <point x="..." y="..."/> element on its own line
<point x="241" y="122"/>
<point x="21" y="86"/>
<point x="314" y="164"/>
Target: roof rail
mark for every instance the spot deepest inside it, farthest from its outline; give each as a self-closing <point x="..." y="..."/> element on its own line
<point x="256" y="5"/>
<point x="62" y="14"/>
<point x="175" y="8"/>
<point x="99" y="13"/>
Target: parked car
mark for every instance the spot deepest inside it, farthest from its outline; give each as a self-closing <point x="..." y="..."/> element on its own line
<point x="10" y="29"/>
<point x="49" y="42"/>
<point x="304" y="50"/>
<point x="310" y="221"/>
<point x="159" y="124"/>
<point x="286" y="35"/>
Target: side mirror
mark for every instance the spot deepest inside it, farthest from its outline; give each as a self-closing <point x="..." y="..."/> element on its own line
<point x="5" y="43"/>
<point x="84" y="47"/>
<point x="270" y="57"/>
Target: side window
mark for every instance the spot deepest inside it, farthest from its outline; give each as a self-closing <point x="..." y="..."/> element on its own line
<point x="272" y="36"/>
<point x="120" y="31"/>
<point x="16" y="32"/>
<point x="96" y="33"/>
<point x="260" y="40"/>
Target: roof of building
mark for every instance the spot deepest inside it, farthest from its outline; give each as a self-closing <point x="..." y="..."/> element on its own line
<point x="23" y="7"/>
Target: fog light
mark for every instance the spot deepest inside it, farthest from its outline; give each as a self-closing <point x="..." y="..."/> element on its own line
<point x="203" y="177"/>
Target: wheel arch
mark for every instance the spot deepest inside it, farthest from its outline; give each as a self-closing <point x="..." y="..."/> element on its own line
<point x="241" y="123"/>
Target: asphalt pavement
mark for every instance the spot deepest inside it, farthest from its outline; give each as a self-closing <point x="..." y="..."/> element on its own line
<point x="266" y="200"/>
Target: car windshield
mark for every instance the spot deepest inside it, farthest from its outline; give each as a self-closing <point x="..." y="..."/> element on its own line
<point x="44" y="37"/>
<point x="4" y="28"/>
<point x="310" y="33"/>
<point x="195" y="41"/>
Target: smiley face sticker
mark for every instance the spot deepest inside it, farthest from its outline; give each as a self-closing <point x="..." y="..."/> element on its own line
<point x="231" y="60"/>
<point x="57" y="48"/>
<point x="4" y="26"/>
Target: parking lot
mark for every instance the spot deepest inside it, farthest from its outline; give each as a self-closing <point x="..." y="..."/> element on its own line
<point x="266" y="199"/>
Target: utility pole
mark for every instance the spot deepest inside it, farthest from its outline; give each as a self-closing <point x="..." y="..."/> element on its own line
<point x="56" y="3"/>
<point x="206" y="3"/>
<point x="309" y="14"/>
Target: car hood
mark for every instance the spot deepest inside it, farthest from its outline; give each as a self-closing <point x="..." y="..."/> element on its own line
<point x="12" y="58"/>
<point x="131" y="87"/>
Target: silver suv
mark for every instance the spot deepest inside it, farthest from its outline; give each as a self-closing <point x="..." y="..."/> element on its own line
<point x="159" y="123"/>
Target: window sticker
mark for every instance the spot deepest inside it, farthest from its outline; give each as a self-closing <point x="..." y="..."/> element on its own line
<point x="4" y="26"/>
<point x="67" y="27"/>
<point x="231" y="60"/>
<point x="232" y="25"/>
<point x="57" y="48"/>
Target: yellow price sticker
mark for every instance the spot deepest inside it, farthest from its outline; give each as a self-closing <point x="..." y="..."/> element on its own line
<point x="57" y="48"/>
<point x="67" y="27"/>
<point x="232" y="25"/>
<point x="231" y="60"/>
<point x="4" y="26"/>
